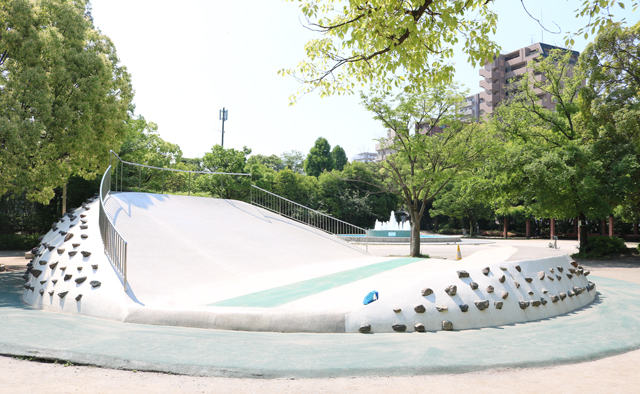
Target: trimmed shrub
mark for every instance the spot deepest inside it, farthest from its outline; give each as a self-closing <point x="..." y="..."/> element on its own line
<point x="18" y="242"/>
<point x="602" y="246"/>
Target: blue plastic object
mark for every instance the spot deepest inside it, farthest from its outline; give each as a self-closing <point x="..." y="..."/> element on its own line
<point x="373" y="296"/>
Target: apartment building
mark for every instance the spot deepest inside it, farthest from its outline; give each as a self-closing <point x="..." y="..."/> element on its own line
<point x="509" y="68"/>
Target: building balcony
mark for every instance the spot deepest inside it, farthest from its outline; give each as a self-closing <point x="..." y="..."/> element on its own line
<point x="484" y="73"/>
<point x="490" y="86"/>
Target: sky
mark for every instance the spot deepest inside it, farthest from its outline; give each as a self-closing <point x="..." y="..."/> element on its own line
<point x="189" y="59"/>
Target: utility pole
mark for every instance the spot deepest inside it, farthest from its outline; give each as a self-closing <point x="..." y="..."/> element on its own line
<point x="224" y="113"/>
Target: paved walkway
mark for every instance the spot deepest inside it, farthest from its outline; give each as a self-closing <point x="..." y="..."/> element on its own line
<point x="606" y="327"/>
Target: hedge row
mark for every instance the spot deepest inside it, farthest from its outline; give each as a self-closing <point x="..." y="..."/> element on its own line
<point x="18" y="242"/>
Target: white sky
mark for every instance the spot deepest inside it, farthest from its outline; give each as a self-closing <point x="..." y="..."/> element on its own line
<point x="189" y="59"/>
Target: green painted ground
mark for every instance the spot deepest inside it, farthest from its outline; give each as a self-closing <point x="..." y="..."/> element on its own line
<point x="284" y="294"/>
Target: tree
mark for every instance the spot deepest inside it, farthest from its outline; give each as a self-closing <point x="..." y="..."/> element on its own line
<point x="294" y="161"/>
<point x="459" y="200"/>
<point x="64" y="98"/>
<point x="230" y="161"/>
<point x="339" y="158"/>
<point x="390" y="43"/>
<point x="559" y="162"/>
<point x="319" y="158"/>
<point x="295" y="187"/>
<point x="423" y="162"/>
<point x="274" y="162"/>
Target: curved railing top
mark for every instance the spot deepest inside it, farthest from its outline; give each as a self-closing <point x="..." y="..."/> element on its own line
<point x="174" y="169"/>
<point x="115" y="245"/>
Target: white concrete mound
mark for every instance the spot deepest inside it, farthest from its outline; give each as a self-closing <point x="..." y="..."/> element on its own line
<point x="186" y="253"/>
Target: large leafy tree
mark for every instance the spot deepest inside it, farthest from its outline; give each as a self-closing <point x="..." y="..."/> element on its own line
<point x="293" y="160"/>
<point x="319" y="158"/>
<point x="228" y="161"/>
<point x="430" y="146"/>
<point x="63" y="96"/>
<point x="339" y="158"/>
<point x="391" y="43"/>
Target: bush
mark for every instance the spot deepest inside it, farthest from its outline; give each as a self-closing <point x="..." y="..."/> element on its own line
<point x="450" y="231"/>
<point x="18" y="242"/>
<point x="602" y="246"/>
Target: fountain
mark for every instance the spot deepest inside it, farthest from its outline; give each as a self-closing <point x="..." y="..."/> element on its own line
<point x="392" y="228"/>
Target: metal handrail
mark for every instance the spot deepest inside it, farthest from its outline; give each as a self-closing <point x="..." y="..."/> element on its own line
<point x="302" y="214"/>
<point x="115" y="246"/>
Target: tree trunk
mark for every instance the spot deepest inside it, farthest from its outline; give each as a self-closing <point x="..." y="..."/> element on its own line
<point x="64" y="198"/>
<point x="506" y="227"/>
<point x="575" y="226"/>
<point x="582" y="235"/>
<point x="602" y="227"/>
<point x="552" y="228"/>
<point x="635" y="228"/>
<point x="415" y="234"/>
<point x="471" y="222"/>
<point x="611" y="229"/>
<point x="528" y="229"/>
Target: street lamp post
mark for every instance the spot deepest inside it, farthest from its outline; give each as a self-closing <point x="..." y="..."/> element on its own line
<point x="224" y="113"/>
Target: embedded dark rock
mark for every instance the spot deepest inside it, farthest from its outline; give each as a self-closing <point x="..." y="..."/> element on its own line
<point x="426" y="291"/>
<point x="94" y="266"/>
<point x="555" y="298"/>
<point x="447" y="325"/>
<point x="551" y="270"/>
<point x="550" y="278"/>
<point x="71" y="225"/>
<point x="541" y="275"/>
<point x="95" y="283"/>
<point x="86" y="253"/>
<point x="535" y="303"/>
<point x="579" y="271"/>
<point x="26" y="286"/>
<point x="84" y="236"/>
<point x="463" y="274"/>
<point x="83" y="221"/>
<point x="42" y="282"/>
<point x="419" y="308"/>
<point x="63" y="268"/>
<point x="78" y="297"/>
<point x="441" y="308"/>
<point x="490" y="289"/>
<point x="473" y="285"/>
<point x="84" y="227"/>
<point x="62" y="294"/>
<point x="73" y="252"/>
<point x="63" y="233"/>
<point x="43" y="262"/>
<point x="51" y="293"/>
<point x="54" y="281"/>
<point x="577" y="290"/>
<point x="41" y="291"/>
<point x="68" y="237"/>
<point x="560" y="269"/>
<point x="569" y="276"/>
<point x="399" y="327"/>
<point x="486" y="271"/>
<point x="502" y="267"/>
<point x="464" y="307"/>
<point x="524" y="304"/>
<point x="36" y="273"/>
<point x="61" y="250"/>
<point x="529" y="280"/>
<point x="518" y="268"/>
<point x="574" y="263"/>
<point x="543" y="300"/>
<point x="498" y="304"/>
<point x="75" y="245"/>
<point x="502" y="279"/>
<point x="562" y="296"/>
<point x="397" y="310"/>
<point x="67" y="277"/>
<point x="517" y="284"/>
<point x="559" y="277"/>
<point x="504" y="295"/>
<point x="83" y="215"/>
<point x="365" y="327"/>
<point x="51" y="247"/>
<point x="451" y="290"/>
<point x="53" y="265"/>
<point x="79" y="269"/>
<point x="482" y="305"/>
<point x="419" y="327"/>
<point x="571" y="293"/>
<point x="587" y="273"/>
<point x="572" y="270"/>
<point x="81" y="279"/>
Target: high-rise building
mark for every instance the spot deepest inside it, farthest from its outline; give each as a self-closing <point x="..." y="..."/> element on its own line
<point x="510" y="68"/>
